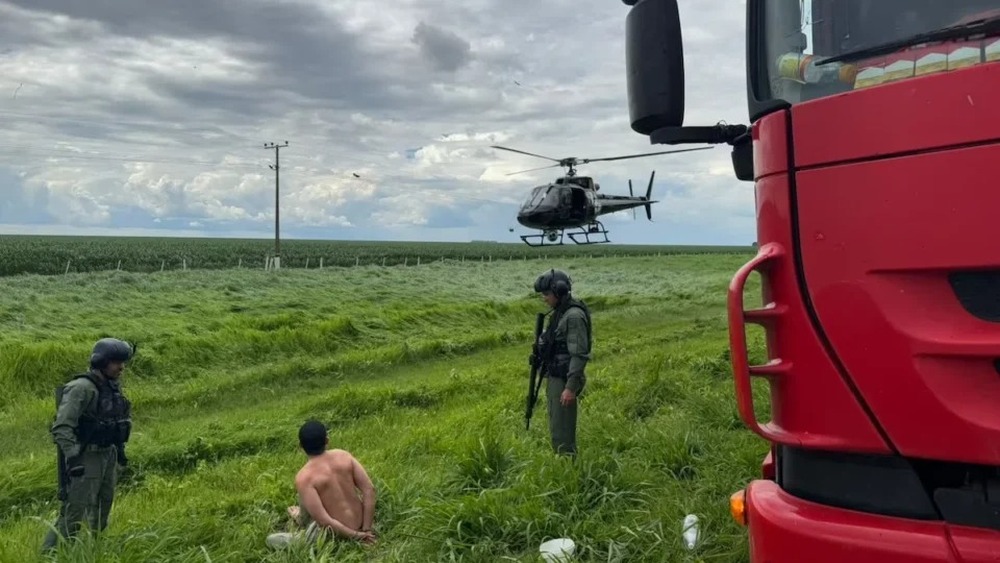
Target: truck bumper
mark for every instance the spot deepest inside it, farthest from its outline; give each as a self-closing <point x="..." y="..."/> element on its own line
<point x="783" y="528"/>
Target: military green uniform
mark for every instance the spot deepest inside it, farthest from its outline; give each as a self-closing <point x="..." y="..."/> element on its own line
<point x="92" y="425"/>
<point x="566" y="347"/>
<point x="572" y="351"/>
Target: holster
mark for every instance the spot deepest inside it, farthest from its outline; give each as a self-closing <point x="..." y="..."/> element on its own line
<point x="62" y="475"/>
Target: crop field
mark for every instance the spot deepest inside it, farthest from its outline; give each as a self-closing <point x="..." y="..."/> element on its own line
<point x="27" y="254"/>
<point x="421" y="373"/>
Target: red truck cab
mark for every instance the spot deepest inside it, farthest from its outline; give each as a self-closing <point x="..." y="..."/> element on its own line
<point x="873" y="126"/>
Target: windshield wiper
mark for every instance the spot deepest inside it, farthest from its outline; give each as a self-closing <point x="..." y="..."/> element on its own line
<point x="986" y="25"/>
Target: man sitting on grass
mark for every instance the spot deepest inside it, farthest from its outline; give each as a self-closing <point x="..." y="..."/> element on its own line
<point x="328" y="486"/>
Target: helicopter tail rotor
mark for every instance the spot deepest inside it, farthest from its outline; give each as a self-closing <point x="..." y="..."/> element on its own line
<point x="649" y="193"/>
<point x="631" y="194"/>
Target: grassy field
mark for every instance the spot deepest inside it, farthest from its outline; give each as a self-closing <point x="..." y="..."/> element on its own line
<point x="29" y="254"/>
<point x="421" y="373"/>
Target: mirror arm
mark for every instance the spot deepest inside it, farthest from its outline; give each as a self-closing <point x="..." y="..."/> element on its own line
<point x="715" y="134"/>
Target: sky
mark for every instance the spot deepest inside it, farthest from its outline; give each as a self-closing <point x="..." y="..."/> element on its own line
<point x="147" y="117"/>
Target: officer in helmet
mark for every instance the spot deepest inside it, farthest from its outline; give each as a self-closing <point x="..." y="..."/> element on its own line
<point x="565" y="349"/>
<point x="92" y="424"/>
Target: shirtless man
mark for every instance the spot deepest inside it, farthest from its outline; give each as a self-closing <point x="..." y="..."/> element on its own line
<point x="328" y="486"/>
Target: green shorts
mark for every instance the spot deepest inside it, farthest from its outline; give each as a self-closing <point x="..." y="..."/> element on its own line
<point x="280" y="540"/>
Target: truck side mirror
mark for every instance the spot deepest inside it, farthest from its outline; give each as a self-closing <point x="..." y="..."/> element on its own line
<point x="654" y="61"/>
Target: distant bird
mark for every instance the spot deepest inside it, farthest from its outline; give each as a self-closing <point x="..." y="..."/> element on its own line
<point x="355" y="174"/>
<point x="16" y="89"/>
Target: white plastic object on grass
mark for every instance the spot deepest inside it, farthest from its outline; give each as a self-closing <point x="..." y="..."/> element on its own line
<point x="690" y="531"/>
<point x="561" y="549"/>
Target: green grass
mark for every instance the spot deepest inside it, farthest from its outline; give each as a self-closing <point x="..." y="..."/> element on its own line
<point x="34" y="254"/>
<point x="421" y="373"/>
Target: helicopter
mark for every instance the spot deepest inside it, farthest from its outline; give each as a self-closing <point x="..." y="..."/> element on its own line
<point x="572" y="202"/>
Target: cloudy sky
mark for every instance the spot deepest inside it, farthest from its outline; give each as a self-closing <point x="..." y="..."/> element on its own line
<point x="150" y="117"/>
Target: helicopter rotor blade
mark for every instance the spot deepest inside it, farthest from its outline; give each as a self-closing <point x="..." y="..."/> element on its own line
<point x="523" y="152"/>
<point x="532" y="170"/>
<point x="586" y="160"/>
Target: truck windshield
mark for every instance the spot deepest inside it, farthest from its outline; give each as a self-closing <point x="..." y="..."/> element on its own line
<point x="797" y="34"/>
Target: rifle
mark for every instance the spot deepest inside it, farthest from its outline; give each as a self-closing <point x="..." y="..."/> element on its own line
<point x="535" y="361"/>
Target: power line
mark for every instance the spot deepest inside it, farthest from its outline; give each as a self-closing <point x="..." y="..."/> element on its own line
<point x="112" y="121"/>
<point x="67" y="153"/>
<point x="277" y="236"/>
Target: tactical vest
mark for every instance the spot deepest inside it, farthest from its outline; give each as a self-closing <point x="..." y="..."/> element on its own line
<point x="555" y="347"/>
<point x="112" y="423"/>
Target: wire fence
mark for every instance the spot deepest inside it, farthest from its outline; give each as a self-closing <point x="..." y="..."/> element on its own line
<point x="269" y="263"/>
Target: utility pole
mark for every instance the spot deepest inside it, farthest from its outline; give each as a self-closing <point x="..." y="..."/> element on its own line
<point x="277" y="224"/>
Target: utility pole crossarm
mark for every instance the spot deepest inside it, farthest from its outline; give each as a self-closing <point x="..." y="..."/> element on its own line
<point x="277" y="224"/>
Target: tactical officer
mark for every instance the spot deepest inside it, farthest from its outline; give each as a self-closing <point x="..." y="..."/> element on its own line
<point x="565" y="350"/>
<point x="92" y="424"/>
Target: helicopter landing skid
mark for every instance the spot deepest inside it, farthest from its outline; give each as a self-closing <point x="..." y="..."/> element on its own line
<point x="551" y="236"/>
<point x="595" y="228"/>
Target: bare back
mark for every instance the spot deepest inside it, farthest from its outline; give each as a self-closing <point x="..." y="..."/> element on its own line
<point x="328" y="486"/>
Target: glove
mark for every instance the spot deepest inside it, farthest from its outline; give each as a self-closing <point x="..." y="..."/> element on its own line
<point x="122" y="460"/>
<point x="74" y="466"/>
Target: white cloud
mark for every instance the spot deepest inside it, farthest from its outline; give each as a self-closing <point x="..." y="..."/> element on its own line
<point x="156" y="116"/>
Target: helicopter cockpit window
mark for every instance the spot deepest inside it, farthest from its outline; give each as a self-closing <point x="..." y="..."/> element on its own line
<point x="556" y="197"/>
<point x="537" y="197"/>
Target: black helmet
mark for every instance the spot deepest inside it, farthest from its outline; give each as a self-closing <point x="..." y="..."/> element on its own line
<point x="556" y="281"/>
<point x="110" y="350"/>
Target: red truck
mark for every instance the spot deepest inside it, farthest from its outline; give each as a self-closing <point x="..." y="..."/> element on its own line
<point x="874" y="129"/>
